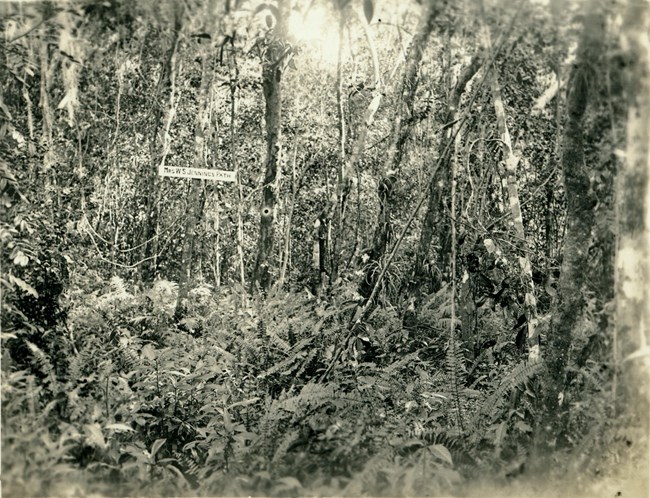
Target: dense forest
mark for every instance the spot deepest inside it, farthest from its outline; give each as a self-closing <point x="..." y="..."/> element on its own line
<point x="325" y="247"/>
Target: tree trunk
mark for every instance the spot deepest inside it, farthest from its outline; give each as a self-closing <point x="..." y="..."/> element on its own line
<point x="194" y="201"/>
<point x="335" y="215"/>
<point x="400" y="131"/>
<point x="166" y="83"/>
<point x="570" y="302"/>
<point x="272" y="68"/>
<point x="324" y="218"/>
<point x="48" y="173"/>
<point x="633" y="219"/>
<point x="233" y="72"/>
<point x="510" y="177"/>
<point x="286" y="253"/>
<point x="439" y="183"/>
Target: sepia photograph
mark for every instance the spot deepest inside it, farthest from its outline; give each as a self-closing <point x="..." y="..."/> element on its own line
<point x="325" y="248"/>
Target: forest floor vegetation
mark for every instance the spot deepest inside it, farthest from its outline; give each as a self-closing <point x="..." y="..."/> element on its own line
<point x="272" y="397"/>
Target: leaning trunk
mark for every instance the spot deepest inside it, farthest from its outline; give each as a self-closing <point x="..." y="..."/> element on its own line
<point x="400" y="131"/>
<point x="439" y="182"/>
<point x="521" y="242"/>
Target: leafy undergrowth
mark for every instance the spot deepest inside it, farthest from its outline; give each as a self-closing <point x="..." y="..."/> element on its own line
<point x="245" y="396"/>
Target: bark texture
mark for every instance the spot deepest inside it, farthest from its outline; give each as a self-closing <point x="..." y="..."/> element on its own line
<point x="517" y="222"/>
<point x="272" y="68"/>
<point x="633" y="201"/>
<point x="570" y="300"/>
<point x="194" y="201"/>
<point x="166" y="83"/>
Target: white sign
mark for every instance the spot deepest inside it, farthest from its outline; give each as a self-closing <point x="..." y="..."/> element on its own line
<point x="201" y="173"/>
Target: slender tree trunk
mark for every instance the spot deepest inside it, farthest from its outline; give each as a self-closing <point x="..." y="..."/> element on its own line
<point x="548" y="221"/>
<point x="194" y="201"/>
<point x="326" y="224"/>
<point x="570" y="302"/>
<point x="334" y="218"/>
<point x="452" y="367"/>
<point x="217" y="250"/>
<point x="511" y="162"/>
<point x="382" y="236"/>
<point x="272" y="69"/>
<point x="400" y="131"/>
<point x="167" y="83"/>
<point x="48" y="173"/>
<point x="31" y="126"/>
<point x="233" y="70"/>
<point x="633" y="220"/>
<point x="340" y="103"/>
<point x="439" y="183"/>
<point x="286" y="253"/>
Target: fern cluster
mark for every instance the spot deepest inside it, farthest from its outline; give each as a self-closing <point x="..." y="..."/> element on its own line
<point x="240" y="405"/>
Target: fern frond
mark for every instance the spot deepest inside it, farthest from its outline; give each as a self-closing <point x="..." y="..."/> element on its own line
<point x="439" y="299"/>
<point x="517" y="378"/>
<point x="187" y="463"/>
<point x="117" y="286"/>
<point x="163" y="295"/>
<point x="129" y="359"/>
<point x="396" y="366"/>
<point x="201" y="293"/>
<point x="308" y="359"/>
<point x="302" y="343"/>
<point x="312" y="396"/>
<point x="456" y="374"/>
<point x="278" y="342"/>
<point x="251" y="351"/>
<point x="285" y="366"/>
<point x="261" y="330"/>
<point x="83" y="364"/>
<point x="500" y="434"/>
<point x="75" y="366"/>
<point x="286" y="442"/>
<point x="433" y="436"/>
<point x="43" y="363"/>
